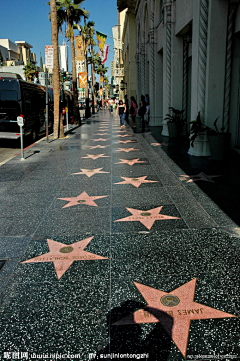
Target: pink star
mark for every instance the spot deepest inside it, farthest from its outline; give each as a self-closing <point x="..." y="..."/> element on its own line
<point x="97" y="146"/>
<point x="83" y="198"/>
<point x="126" y="149"/>
<point x="130" y="161"/>
<point x="90" y="172"/>
<point x="96" y="156"/>
<point x="100" y="140"/>
<point x="201" y="176"/>
<point x="147" y="218"/>
<point x="156" y="144"/>
<point x="101" y="133"/>
<point x="136" y="182"/>
<point x="126" y="141"/>
<point x="63" y="255"/>
<point x="173" y="310"/>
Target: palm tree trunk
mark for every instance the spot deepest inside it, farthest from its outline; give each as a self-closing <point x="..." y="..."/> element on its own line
<point x="58" y="128"/>
<point x="87" y="110"/>
<point x="94" y="102"/>
<point x="74" y="82"/>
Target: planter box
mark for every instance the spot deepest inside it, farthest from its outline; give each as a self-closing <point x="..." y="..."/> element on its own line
<point x="201" y="147"/>
<point x="219" y="145"/>
<point x="173" y="130"/>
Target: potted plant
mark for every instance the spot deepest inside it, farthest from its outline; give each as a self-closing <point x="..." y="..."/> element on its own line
<point x="175" y="122"/>
<point x="218" y="141"/>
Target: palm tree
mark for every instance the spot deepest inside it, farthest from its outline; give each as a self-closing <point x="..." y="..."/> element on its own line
<point x="101" y="70"/>
<point x="29" y="71"/>
<point x="92" y="44"/>
<point x="69" y="12"/>
<point x="87" y="32"/>
<point x="58" y="126"/>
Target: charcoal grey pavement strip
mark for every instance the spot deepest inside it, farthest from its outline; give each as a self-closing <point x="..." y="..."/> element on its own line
<point x="75" y="313"/>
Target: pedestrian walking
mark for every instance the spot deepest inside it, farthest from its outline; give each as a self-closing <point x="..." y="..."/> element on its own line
<point x="133" y="110"/>
<point x="114" y="106"/>
<point x="147" y="107"/>
<point x="126" y="101"/>
<point x="110" y="105"/>
<point x="121" y="109"/>
<point x="142" y="111"/>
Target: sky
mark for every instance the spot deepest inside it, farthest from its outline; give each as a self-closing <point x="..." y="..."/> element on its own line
<point x="28" y="20"/>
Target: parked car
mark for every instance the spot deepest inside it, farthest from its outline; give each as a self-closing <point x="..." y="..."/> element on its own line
<point x="21" y="98"/>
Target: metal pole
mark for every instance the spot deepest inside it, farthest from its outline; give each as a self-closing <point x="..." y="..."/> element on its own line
<point x="46" y="84"/>
<point x="21" y="135"/>
<point x="67" y="116"/>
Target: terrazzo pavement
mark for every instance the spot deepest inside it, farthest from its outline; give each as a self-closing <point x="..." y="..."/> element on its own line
<point x="66" y="299"/>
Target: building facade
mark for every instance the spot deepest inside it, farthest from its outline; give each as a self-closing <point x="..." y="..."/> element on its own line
<point x="15" y="56"/>
<point x="188" y="57"/>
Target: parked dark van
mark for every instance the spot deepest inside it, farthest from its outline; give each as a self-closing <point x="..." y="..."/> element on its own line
<point x="21" y="98"/>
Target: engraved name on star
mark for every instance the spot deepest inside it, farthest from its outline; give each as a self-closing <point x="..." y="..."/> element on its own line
<point x="101" y="134"/>
<point x="63" y="255"/>
<point x="136" y="182"/>
<point x="173" y="310"/>
<point x="126" y="141"/>
<point x="130" y="161"/>
<point x="126" y="150"/>
<point x="101" y="139"/>
<point x="147" y="218"/>
<point x="97" y="146"/>
<point x="199" y="177"/>
<point x="90" y="172"/>
<point x="96" y="156"/>
<point x="83" y="198"/>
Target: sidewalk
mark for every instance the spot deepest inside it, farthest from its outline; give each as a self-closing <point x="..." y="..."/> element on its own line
<point x="109" y="251"/>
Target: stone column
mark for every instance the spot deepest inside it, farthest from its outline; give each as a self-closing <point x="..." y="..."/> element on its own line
<point x="152" y="77"/>
<point x="209" y="63"/>
<point x="167" y="63"/>
<point x="137" y="58"/>
<point x="143" y="67"/>
<point x="230" y="31"/>
<point x="199" y="71"/>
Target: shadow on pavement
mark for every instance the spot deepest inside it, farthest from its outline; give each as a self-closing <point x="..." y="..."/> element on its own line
<point x="129" y="338"/>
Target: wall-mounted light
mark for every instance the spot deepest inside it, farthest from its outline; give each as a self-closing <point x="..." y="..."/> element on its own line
<point x="123" y="85"/>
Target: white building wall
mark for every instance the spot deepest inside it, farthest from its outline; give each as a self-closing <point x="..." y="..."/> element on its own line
<point x="196" y="59"/>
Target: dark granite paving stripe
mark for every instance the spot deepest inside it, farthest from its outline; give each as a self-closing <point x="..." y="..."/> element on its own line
<point x="142" y="196"/>
<point x="80" y="314"/>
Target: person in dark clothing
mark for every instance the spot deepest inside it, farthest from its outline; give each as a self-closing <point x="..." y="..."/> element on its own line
<point x="133" y="111"/>
<point x="121" y="109"/>
<point x="142" y="111"/>
<point x="147" y="107"/>
<point x="126" y="101"/>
